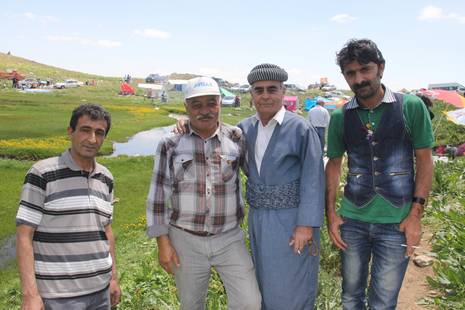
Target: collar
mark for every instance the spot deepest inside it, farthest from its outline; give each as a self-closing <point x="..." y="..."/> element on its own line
<point x="388" y="98"/>
<point x="217" y="132"/>
<point x="278" y="117"/>
<point x="71" y="164"/>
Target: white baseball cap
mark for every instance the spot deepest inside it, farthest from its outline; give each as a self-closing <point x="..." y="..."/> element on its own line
<point x="201" y="86"/>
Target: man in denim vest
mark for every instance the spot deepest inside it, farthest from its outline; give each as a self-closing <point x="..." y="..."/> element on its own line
<point x="388" y="140"/>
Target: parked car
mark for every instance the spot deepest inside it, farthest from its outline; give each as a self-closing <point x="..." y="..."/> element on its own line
<point x="328" y="87"/>
<point x="152" y="78"/>
<point x="235" y="87"/>
<point x="228" y="101"/>
<point x="28" y="83"/>
<point x="293" y="87"/>
<point x="231" y="101"/>
<point x="68" y="83"/>
<point x="244" y="88"/>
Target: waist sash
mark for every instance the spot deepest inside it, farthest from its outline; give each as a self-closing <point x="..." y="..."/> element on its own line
<point x="282" y="196"/>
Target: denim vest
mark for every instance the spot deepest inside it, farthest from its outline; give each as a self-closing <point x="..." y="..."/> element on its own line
<point x="381" y="164"/>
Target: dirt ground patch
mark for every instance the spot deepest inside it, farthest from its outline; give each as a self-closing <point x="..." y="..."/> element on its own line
<point x="415" y="287"/>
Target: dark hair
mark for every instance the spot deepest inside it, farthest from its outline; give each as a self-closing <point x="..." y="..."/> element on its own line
<point x="361" y="50"/>
<point x="426" y="100"/>
<point x="94" y="111"/>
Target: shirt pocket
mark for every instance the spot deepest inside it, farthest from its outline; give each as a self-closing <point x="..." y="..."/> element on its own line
<point x="183" y="167"/>
<point x="229" y="166"/>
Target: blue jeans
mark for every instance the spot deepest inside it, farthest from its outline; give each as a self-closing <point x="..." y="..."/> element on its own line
<point x="382" y="244"/>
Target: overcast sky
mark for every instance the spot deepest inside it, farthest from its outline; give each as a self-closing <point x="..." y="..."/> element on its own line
<point x="423" y="42"/>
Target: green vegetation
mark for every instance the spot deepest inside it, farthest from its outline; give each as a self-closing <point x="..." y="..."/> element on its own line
<point x="445" y="131"/>
<point x="12" y="175"/>
<point x="448" y="215"/>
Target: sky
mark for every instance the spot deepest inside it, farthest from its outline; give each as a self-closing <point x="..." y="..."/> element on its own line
<point x="423" y="42"/>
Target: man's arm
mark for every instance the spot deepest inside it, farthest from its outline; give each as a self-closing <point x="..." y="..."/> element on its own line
<point x="411" y="225"/>
<point x="115" y="291"/>
<point x="312" y="182"/>
<point x="334" y="221"/>
<point x="157" y="215"/>
<point x="25" y="258"/>
<point x="167" y="255"/>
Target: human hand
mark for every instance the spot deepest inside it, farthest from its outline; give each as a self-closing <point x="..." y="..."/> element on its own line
<point x="167" y="255"/>
<point x="334" y="222"/>
<point x="411" y="227"/>
<point x="180" y="127"/>
<point x="32" y="303"/>
<point x="301" y="237"/>
<point x="115" y="292"/>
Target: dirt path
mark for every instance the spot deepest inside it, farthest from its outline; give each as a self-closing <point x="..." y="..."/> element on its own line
<point x="415" y="286"/>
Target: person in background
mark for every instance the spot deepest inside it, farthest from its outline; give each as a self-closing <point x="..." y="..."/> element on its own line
<point x="428" y="103"/>
<point x="319" y="117"/>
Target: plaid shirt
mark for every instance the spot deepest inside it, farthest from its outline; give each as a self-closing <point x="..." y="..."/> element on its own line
<point x="196" y="182"/>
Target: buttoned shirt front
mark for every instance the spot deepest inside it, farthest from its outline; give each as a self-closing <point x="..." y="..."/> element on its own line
<point x="264" y="134"/>
<point x="196" y="182"/>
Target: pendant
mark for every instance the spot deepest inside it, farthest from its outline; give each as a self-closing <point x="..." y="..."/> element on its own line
<point x="369" y="134"/>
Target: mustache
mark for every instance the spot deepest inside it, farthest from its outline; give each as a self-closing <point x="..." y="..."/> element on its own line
<point x="360" y="85"/>
<point x="204" y="117"/>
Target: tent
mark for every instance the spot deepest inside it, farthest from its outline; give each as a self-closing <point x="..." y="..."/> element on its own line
<point x="310" y="103"/>
<point x="450" y="97"/>
<point x="178" y="85"/>
<point x="225" y="92"/>
<point x="457" y="116"/>
<point x="291" y="103"/>
<point x="126" y="89"/>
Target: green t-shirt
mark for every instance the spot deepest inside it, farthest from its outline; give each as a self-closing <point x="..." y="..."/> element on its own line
<point x="418" y="125"/>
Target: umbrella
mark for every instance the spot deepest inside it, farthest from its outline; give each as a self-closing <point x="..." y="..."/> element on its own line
<point x="447" y="96"/>
<point x="457" y="116"/>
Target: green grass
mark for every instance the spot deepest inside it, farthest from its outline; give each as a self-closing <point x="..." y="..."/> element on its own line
<point x="11" y="181"/>
<point x="447" y="216"/>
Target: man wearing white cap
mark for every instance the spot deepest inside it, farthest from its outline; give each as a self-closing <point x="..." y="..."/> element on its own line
<point x="285" y="191"/>
<point x="194" y="205"/>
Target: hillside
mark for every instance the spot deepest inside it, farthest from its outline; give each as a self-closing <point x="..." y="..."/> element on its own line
<point x="31" y="68"/>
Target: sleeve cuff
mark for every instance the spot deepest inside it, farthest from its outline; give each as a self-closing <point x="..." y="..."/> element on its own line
<point x="157" y="230"/>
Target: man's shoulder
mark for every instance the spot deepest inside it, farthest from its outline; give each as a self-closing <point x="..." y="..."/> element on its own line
<point x="412" y="100"/>
<point x="337" y="114"/>
<point x="105" y="171"/>
<point x="171" y="140"/>
<point x="233" y="133"/>
<point x="247" y="121"/>
<point x="47" y="165"/>
<point x="291" y="117"/>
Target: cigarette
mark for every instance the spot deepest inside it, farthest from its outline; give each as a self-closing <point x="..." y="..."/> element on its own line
<point x="298" y="251"/>
<point x="413" y="246"/>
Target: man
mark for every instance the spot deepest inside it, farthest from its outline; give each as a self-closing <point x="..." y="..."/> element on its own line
<point x="388" y="140"/>
<point x="318" y="116"/>
<point x="194" y="205"/>
<point x="285" y="191"/>
<point x="64" y="241"/>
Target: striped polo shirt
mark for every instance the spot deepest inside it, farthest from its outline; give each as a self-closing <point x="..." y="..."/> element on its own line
<point x="69" y="209"/>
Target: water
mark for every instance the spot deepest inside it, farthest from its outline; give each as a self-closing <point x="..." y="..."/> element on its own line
<point x="143" y="143"/>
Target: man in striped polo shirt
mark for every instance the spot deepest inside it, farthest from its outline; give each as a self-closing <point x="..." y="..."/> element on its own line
<point x="65" y="245"/>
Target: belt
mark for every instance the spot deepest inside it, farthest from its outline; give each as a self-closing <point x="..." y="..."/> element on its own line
<point x="195" y="233"/>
